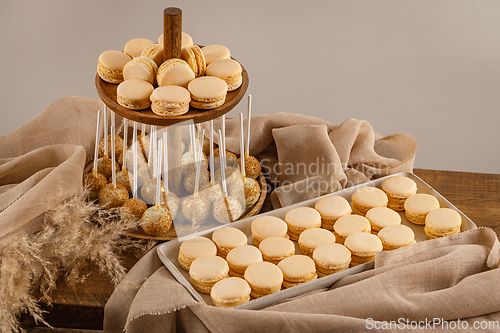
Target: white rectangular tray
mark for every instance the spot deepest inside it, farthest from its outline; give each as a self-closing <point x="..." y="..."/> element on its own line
<point x="169" y="251"/>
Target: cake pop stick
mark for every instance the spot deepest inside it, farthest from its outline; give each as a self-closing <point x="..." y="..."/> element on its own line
<point x="171" y="200"/>
<point x="96" y="149"/>
<point x="134" y="147"/>
<point x="165" y="162"/>
<point x="212" y="162"/>
<point x="113" y="166"/>
<point x="224" y="138"/>
<point x="242" y="148"/>
<point x="154" y="143"/>
<point x="125" y="148"/>
<point x="222" y="167"/>
<point x="198" y="165"/>
<point x="105" y="130"/>
<point x="249" y="115"/>
<point x="158" y="175"/>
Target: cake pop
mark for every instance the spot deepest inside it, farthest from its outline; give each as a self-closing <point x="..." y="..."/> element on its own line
<point x="169" y="198"/>
<point x="188" y="159"/>
<point x="252" y="164"/>
<point x="226" y="209"/>
<point x="157" y="219"/>
<point x="189" y="180"/>
<point x="113" y="195"/>
<point x="196" y="208"/>
<point x="95" y="180"/>
<point x="106" y="140"/>
<point x="134" y="207"/>
<point x="123" y="177"/>
<point x="104" y="164"/>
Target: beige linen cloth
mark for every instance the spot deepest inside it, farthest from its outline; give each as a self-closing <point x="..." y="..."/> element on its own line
<point x="448" y="284"/>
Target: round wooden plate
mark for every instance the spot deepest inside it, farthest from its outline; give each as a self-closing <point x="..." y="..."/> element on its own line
<point x="107" y="92"/>
<point x="250" y="211"/>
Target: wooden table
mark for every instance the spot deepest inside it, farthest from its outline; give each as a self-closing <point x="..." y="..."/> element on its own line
<point x="81" y="306"/>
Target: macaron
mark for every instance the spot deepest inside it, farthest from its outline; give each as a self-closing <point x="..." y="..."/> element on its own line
<point x="367" y="197"/>
<point x="194" y="248"/>
<point x="310" y="239"/>
<point x="398" y="189"/>
<point x="143" y="68"/>
<point x="267" y="226"/>
<point x="154" y="52"/>
<point x="195" y="59"/>
<point x="396" y="236"/>
<point x="418" y="206"/>
<point x="381" y="217"/>
<point x="275" y="249"/>
<point x="350" y="224"/>
<point x="207" y="271"/>
<point x="331" y="208"/>
<point x="170" y="100"/>
<point x="331" y="258"/>
<point x="186" y="40"/>
<point x="300" y="219"/>
<point x="363" y="247"/>
<point x="134" y="47"/>
<point x="227" y="69"/>
<point x="215" y="52"/>
<point x="297" y="270"/>
<point x="442" y="222"/>
<point x="134" y="94"/>
<point x="174" y="72"/>
<point x="230" y="292"/>
<point x="263" y="278"/>
<point x="207" y="92"/>
<point x="227" y="238"/>
<point x="110" y="65"/>
<point x="241" y="257"/>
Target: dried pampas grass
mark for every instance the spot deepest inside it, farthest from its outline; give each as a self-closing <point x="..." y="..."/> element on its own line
<point x="74" y="233"/>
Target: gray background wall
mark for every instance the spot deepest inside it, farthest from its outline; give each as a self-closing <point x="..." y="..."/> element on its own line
<point x="427" y="67"/>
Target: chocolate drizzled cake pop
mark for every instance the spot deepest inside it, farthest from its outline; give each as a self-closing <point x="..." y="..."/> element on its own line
<point x="95" y="180"/>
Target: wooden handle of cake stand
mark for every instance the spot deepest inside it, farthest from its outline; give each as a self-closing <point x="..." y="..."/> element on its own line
<point x="172" y="43"/>
<point x="172" y="33"/>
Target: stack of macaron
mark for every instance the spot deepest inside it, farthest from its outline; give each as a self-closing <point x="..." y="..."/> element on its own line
<point x="140" y="70"/>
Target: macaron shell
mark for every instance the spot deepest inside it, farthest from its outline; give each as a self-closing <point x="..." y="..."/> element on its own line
<point x="186" y="40"/>
<point x="188" y="56"/>
<point x="332" y="256"/>
<point x="264" y="278"/>
<point x="230" y="292"/>
<point x="143" y="68"/>
<point x="110" y="65"/>
<point x="134" y="47"/>
<point x="396" y="236"/>
<point x="215" y="52"/>
<point x="442" y="222"/>
<point x="363" y="244"/>
<point x="154" y="52"/>
<point x="368" y="197"/>
<point x="170" y="100"/>
<point x="297" y="268"/>
<point x="207" y="89"/>
<point x="381" y="217"/>
<point x="134" y="94"/>
<point x="243" y="256"/>
<point x="175" y="72"/>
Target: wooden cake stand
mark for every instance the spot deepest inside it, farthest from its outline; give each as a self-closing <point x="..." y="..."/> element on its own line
<point x="172" y="49"/>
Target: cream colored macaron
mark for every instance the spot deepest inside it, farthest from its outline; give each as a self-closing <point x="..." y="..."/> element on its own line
<point x="227" y="238"/>
<point x="207" y="92"/>
<point x="170" y="100"/>
<point x="174" y="72"/>
<point x="368" y="197"/>
<point x="229" y="292"/>
<point x="206" y="271"/>
<point x="154" y="52"/>
<point x="134" y="94"/>
<point x="363" y="247"/>
<point x="381" y="217"/>
<point x="227" y="69"/>
<point x="134" y="47"/>
<point x="186" y="40"/>
<point x="442" y="222"/>
<point x="331" y="258"/>
<point x="241" y="257"/>
<point x="310" y="239"/>
<point x="195" y="59"/>
<point x="396" y="236"/>
<point x="275" y="249"/>
<point x="297" y="270"/>
<point x="110" y="65"/>
<point x="215" y="52"/>
<point x="300" y="219"/>
<point x="194" y="248"/>
<point x="418" y="206"/>
<point x="398" y="189"/>
<point x="264" y="278"/>
<point x="348" y="225"/>
<point x="331" y="208"/>
<point x="267" y="226"/>
<point x="143" y="68"/>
